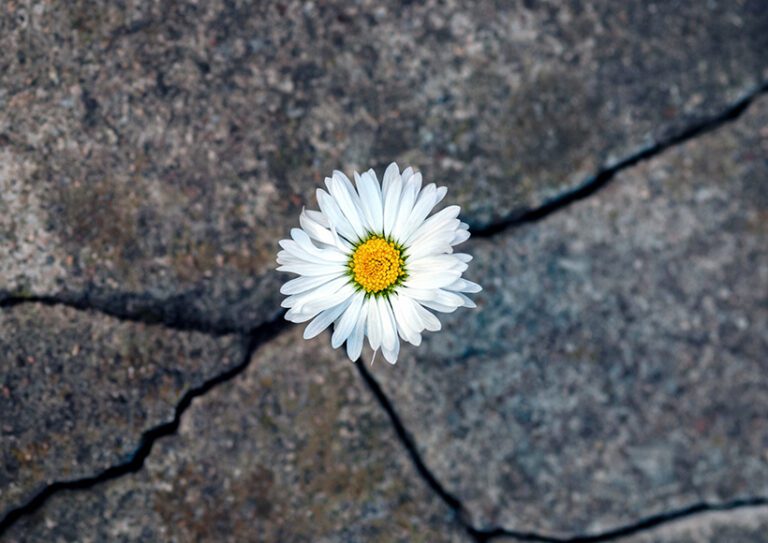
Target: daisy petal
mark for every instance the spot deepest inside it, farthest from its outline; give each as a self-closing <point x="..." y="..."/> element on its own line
<point x="294" y="315"/>
<point x="355" y="341"/>
<point x="304" y="242"/>
<point x="315" y="230"/>
<point x="431" y="280"/>
<point x="390" y="355"/>
<point x="390" y="174"/>
<point x="412" y="310"/>
<point x="406" y="174"/>
<point x="371" y="201"/>
<point x="318" y="217"/>
<point x="391" y="202"/>
<point x="329" y="300"/>
<point x="324" y="320"/>
<point x="439" y="296"/>
<point x="468" y="302"/>
<point x="441" y="192"/>
<point x="348" y="320"/>
<point x="462" y="285"/>
<point x="312" y="269"/>
<point x="388" y="326"/>
<point x="373" y="263"/>
<point x="304" y="283"/>
<point x="436" y="223"/>
<point x="374" y="330"/>
<point x="336" y="218"/>
<point x="440" y="262"/>
<point x="317" y="294"/>
<point x="348" y="200"/>
<point x="407" y="325"/>
<point x="407" y="201"/>
<point x="424" y="204"/>
<point x="430" y="322"/>
<point x="460" y="237"/>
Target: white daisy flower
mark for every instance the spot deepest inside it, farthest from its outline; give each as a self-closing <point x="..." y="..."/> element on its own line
<point x="372" y="263"/>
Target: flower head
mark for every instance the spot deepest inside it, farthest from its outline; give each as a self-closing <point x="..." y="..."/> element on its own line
<point x="374" y="263"/>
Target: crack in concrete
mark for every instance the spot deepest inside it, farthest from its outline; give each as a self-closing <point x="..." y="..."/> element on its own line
<point x="488" y="534"/>
<point x="644" y="524"/>
<point x="410" y="445"/>
<point x="173" y="312"/>
<point x="251" y="342"/>
<point x="131" y="308"/>
<point x="173" y="316"/>
<point x="606" y="174"/>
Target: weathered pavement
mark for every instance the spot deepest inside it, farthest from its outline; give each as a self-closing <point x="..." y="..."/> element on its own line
<point x="610" y="386"/>
<point x="616" y="368"/>
<point x="279" y="454"/>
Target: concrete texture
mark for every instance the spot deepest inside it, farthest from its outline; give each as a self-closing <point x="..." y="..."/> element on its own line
<point x="617" y="365"/>
<point x="78" y="389"/>
<point x="746" y="526"/>
<point x="153" y="153"/>
<point x="295" y="449"/>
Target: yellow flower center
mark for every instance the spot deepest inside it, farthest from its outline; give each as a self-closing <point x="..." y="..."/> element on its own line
<point x="377" y="265"/>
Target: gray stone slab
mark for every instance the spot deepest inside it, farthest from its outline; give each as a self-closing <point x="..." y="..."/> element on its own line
<point x="748" y="525"/>
<point x="617" y="365"/>
<point x="295" y="449"/>
<point x="151" y="154"/>
<point x="741" y="526"/>
<point x="77" y="390"/>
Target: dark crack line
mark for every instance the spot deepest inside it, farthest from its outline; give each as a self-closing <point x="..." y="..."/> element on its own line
<point x="642" y="525"/>
<point x="252" y="341"/>
<point x="158" y="314"/>
<point x="486" y="535"/>
<point x="268" y="331"/>
<point x="604" y="176"/>
<point x="410" y="446"/>
<point x="155" y="312"/>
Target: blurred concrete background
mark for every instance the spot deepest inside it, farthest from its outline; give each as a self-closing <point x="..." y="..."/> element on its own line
<point x="611" y="158"/>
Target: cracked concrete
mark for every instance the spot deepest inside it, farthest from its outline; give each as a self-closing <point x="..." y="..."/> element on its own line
<point x="282" y="453"/>
<point x="484" y="535"/>
<point x="151" y="155"/>
<point x="749" y="525"/>
<point x="78" y="389"/>
<point x="615" y="368"/>
<point x="743" y="525"/>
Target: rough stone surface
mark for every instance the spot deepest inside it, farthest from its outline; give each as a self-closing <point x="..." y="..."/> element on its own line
<point x="749" y="525"/>
<point x="151" y="153"/>
<point x="295" y="449"/>
<point x="617" y="365"/>
<point x="741" y="526"/>
<point x="78" y="389"/>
